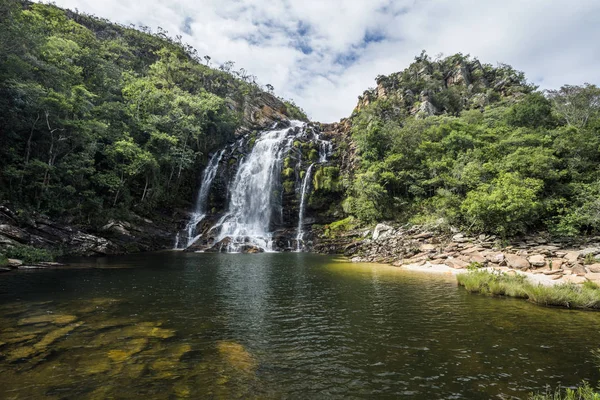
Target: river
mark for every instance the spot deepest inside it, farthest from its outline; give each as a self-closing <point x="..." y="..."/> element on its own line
<point x="294" y="325"/>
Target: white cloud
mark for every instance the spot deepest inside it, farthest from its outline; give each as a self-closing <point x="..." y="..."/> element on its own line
<point x="315" y="52"/>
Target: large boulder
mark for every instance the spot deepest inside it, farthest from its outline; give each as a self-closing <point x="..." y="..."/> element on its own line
<point x="537" y="260"/>
<point x="517" y="262"/>
<point x="379" y="229"/>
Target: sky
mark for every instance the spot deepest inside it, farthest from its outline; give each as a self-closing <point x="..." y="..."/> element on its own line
<point x="324" y="53"/>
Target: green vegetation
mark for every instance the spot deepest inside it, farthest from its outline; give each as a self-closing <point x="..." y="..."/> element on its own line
<point x="3" y="260"/>
<point x="338" y="227"/>
<point x="99" y="120"/>
<point x="583" y="392"/>
<point x="29" y="254"/>
<point x="476" y="146"/>
<point x="586" y="296"/>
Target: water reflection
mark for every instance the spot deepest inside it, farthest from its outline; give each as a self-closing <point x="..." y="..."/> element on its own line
<point x="275" y="325"/>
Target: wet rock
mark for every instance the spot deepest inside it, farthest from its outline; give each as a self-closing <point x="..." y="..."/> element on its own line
<point x="517" y="262"/>
<point x="55" y="335"/>
<point x="56" y="319"/>
<point x="250" y="249"/>
<point x="131" y="348"/>
<point x="236" y="356"/>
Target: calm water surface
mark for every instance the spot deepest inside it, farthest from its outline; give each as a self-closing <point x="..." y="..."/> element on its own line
<point x="178" y="325"/>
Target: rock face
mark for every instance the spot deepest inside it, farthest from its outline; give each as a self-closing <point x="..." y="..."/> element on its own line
<point x="117" y="237"/>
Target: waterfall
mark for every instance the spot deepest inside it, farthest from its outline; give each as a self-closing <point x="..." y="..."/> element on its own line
<point x="200" y="209"/>
<point x="253" y="192"/>
<point x="300" y="234"/>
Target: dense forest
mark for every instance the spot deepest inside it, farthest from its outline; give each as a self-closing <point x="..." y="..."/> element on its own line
<point x="99" y="120"/>
<point x="454" y="142"/>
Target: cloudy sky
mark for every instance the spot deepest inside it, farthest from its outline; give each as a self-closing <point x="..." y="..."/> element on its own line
<point x="324" y="53"/>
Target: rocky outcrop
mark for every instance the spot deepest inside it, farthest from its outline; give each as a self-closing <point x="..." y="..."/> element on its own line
<point x="116" y="237"/>
<point x="404" y="245"/>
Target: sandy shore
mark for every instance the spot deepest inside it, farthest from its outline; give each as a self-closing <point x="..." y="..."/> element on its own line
<point x="542" y="279"/>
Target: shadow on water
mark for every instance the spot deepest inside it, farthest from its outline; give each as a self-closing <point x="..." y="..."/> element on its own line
<point x="185" y="325"/>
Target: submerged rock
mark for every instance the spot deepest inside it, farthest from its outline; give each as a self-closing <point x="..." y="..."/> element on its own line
<point x="236" y="356"/>
<point x="56" y="319"/>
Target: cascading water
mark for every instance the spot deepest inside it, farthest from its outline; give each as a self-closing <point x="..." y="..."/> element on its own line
<point x="253" y="192"/>
<point x="200" y="210"/>
<point x="300" y="235"/>
<point x="325" y="148"/>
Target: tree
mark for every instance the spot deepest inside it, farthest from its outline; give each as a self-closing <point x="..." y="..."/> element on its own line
<point x="576" y="104"/>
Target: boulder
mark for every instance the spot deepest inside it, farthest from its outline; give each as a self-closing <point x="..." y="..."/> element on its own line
<point x="12" y="262"/>
<point x="379" y="229"/>
<point x="594" y="277"/>
<point x="590" y="250"/>
<point x="578" y="270"/>
<point x="456" y="263"/>
<point x="537" y="260"/>
<point x="517" y="262"/>
<point x="594" y="268"/>
<point x="14" y="233"/>
<point x="572" y="256"/>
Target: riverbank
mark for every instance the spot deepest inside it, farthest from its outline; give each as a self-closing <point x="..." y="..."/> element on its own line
<point x="541" y="257"/>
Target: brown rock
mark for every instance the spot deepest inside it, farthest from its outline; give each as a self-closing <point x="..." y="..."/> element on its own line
<point x="456" y="263"/>
<point x="537" y="260"/>
<point x="594" y="268"/>
<point x="578" y="270"/>
<point x="572" y="256"/>
<point x="594" y="277"/>
<point x="517" y="262"/>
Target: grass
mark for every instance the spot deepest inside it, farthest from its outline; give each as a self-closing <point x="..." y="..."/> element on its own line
<point x="583" y="392"/>
<point x="586" y="296"/>
<point x="338" y="227"/>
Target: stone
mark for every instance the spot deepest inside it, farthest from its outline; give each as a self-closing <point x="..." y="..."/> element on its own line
<point x="574" y="279"/>
<point x="578" y="270"/>
<point x="379" y="229"/>
<point x="477" y="258"/>
<point x="236" y="356"/>
<point x="556" y="263"/>
<point x="590" y="250"/>
<point x="554" y="272"/>
<point x="537" y="260"/>
<point x="456" y="263"/>
<point x="427" y="247"/>
<point x="594" y="268"/>
<point x="572" y="256"/>
<point x="594" y="277"/>
<point x="12" y="262"/>
<point x="56" y="319"/>
<point x="424" y="235"/>
<point x="517" y="262"/>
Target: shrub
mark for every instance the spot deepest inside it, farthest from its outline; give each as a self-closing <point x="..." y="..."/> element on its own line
<point x="338" y="227"/>
<point x="505" y="207"/>
<point x="29" y="254"/>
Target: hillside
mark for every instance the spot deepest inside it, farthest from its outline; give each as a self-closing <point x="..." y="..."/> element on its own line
<point x="454" y="142"/>
<point x="99" y="121"/>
